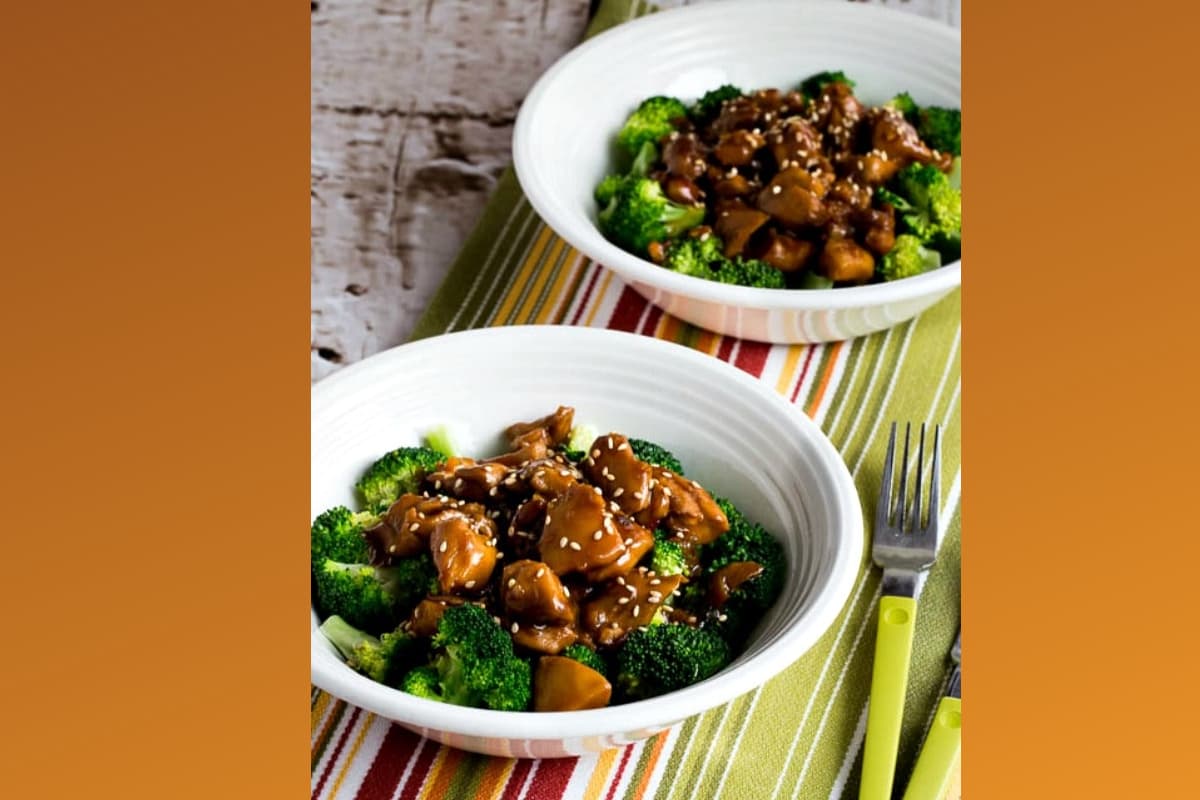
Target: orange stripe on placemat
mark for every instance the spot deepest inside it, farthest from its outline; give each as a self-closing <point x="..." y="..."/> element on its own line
<point x="788" y="373"/>
<point x="358" y="740"/>
<point x="319" y="708"/>
<point x="441" y="773"/>
<point x="514" y="289"/>
<point x="600" y="774"/>
<point x="706" y="342"/>
<point x="655" y="752"/>
<point x="824" y="384"/>
<point x="542" y="277"/>
<point x="599" y="297"/>
<point x="494" y="776"/>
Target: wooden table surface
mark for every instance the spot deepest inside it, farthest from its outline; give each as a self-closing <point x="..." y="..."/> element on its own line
<point x="413" y="105"/>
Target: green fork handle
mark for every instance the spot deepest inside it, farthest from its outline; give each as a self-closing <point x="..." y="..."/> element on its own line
<point x="889" y="683"/>
<point x="935" y="765"/>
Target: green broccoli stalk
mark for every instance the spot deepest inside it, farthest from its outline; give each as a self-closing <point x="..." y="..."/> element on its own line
<point x="709" y="105"/>
<point x="664" y="658"/>
<point x="385" y="659"/>
<point x="646" y="157"/>
<point x="907" y="257"/>
<point x="815" y="84"/>
<point x="474" y="664"/>
<point x="396" y="473"/>
<point x="586" y="656"/>
<point x="668" y="557"/>
<point x="374" y="598"/>
<point x="578" y="442"/>
<point x="926" y="204"/>
<point x="440" y="440"/>
<point x="655" y="454"/>
<point x="650" y="122"/>
<point x="337" y="534"/>
<point x="640" y="213"/>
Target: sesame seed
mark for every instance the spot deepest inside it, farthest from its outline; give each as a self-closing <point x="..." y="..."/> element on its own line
<point x="655" y="582"/>
<point x="596" y="453"/>
<point x="636" y="609"/>
<point x="639" y="495"/>
<point x="722" y="617"/>
<point x="622" y="600"/>
<point x="666" y="492"/>
<point x="631" y="588"/>
<point x="776" y="189"/>
<point x="566" y="473"/>
<point x="469" y="584"/>
<point x="655" y="597"/>
<point x="416" y="526"/>
<point x="515" y="627"/>
<point x="732" y="172"/>
<point x="541" y="571"/>
<point x="621" y="579"/>
<point x="391" y="548"/>
<point x="442" y="547"/>
<point x="618" y="492"/>
<point x="596" y="489"/>
<point x="493" y="491"/>
<point x="437" y="484"/>
<point x="629" y="542"/>
<point x="562" y="542"/>
<point x="597" y="535"/>
<point x="458" y="484"/>
<point x="566" y="591"/>
<point x="575" y="546"/>
<point x="610" y="443"/>
<point x="499" y="555"/>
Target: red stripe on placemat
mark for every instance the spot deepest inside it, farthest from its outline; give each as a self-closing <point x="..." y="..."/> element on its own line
<point x="630" y="306"/>
<point x="652" y="319"/>
<point x="587" y="294"/>
<point x="804" y="371"/>
<point x="551" y="778"/>
<point x="726" y="347"/>
<point x="383" y="777"/>
<point x="420" y="771"/>
<point x="616" y="780"/>
<point x="516" y="780"/>
<point x="333" y="757"/>
<point x="752" y="357"/>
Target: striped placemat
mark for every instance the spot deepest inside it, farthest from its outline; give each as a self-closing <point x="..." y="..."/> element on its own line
<point x="800" y="735"/>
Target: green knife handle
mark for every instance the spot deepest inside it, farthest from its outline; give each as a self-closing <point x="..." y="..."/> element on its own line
<point x="889" y="682"/>
<point x="935" y="765"/>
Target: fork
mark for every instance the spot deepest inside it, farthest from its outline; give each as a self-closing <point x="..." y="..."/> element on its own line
<point x="935" y="764"/>
<point x="904" y="547"/>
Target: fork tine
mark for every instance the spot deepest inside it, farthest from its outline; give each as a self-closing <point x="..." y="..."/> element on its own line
<point x="916" y="512"/>
<point x="902" y="499"/>
<point x="935" y="493"/>
<point x="883" y="510"/>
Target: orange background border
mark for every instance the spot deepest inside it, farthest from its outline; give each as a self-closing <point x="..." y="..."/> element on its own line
<point x="156" y="400"/>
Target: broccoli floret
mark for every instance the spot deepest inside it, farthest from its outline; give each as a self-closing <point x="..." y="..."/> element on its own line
<point x="749" y="272"/>
<point x="395" y="474"/>
<point x="475" y="663"/>
<point x="933" y="207"/>
<point x="903" y="103"/>
<point x="668" y="557"/>
<point x="586" y="656"/>
<point x="374" y="598"/>
<point x="646" y="157"/>
<point x="663" y="658"/>
<point x="812" y="86"/>
<point x="655" y="454"/>
<point x="384" y="659"/>
<point x="697" y="256"/>
<point x="423" y="682"/>
<point x="907" y="257"/>
<point x="746" y="541"/>
<point x="940" y="128"/>
<point x="338" y="534"/>
<point x="640" y="213"/>
<point x="606" y="188"/>
<point x="709" y="105"/>
<point x="440" y="440"/>
<point x="650" y="121"/>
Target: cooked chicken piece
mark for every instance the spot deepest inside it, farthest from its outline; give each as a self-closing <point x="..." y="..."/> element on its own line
<point x="532" y="593"/>
<point x="621" y="476"/>
<point x="844" y="260"/>
<point x="564" y="684"/>
<point x="579" y="533"/>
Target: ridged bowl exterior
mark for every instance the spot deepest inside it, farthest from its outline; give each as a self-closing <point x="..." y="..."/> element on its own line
<point x="563" y="140"/>
<point x="734" y="435"/>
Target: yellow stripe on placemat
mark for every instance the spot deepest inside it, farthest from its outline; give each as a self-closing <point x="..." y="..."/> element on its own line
<point x="543" y="277"/>
<point x="599" y="780"/>
<point x="566" y="276"/>
<point x="527" y="268"/>
<point x="788" y="373"/>
<point x="601" y="291"/>
<point x="365" y="722"/>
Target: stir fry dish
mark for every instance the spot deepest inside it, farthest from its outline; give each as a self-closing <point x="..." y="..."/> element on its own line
<point x="572" y="572"/>
<point x="808" y="188"/>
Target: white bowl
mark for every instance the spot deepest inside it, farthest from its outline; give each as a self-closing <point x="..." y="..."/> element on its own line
<point x="563" y="141"/>
<point x="732" y="433"/>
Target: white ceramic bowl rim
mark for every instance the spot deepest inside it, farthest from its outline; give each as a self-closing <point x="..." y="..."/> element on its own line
<point x="659" y="711"/>
<point x="634" y="268"/>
